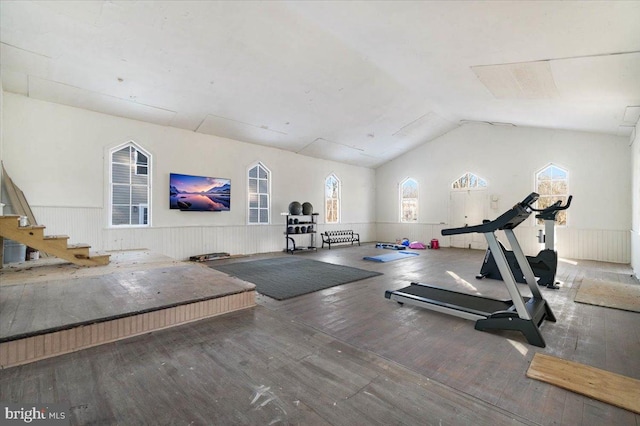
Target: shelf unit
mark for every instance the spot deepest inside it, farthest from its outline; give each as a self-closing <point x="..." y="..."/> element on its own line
<point x="300" y="222"/>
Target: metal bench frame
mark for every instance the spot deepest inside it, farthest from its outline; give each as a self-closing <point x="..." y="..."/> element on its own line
<point x="336" y="237"/>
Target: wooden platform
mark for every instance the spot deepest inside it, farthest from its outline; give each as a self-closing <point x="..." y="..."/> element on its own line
<point x="621" y="391"/>
<point x="50" y="307"/>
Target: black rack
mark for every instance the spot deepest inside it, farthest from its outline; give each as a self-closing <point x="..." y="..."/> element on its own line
<point x="295" y="225"/>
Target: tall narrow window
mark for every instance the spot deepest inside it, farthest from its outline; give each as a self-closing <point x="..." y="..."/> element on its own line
<point x="409" y="201"/>
<point x="259" y="194"/>
<point x="552" y="183"/>
<point x="332" y="199"/>
<point x="130" y="186"/>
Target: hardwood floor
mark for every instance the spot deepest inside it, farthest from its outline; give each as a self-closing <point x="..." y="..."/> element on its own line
<point x="348" y="356"/>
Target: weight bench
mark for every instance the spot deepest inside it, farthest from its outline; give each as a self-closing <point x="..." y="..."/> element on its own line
<point x="335" y="237"/>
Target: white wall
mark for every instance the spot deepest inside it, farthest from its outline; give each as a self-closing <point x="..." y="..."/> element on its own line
<point x="635" y="195"/>
<point x="508" y="158"/>
<point x="58" y="156"/>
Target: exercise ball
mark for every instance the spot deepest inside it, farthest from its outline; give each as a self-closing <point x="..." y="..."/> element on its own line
<point x="295" y="208"/>
<point x="307" y="208"/>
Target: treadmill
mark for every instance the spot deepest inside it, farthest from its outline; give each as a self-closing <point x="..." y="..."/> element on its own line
<point x="524" y="314"/>
<point x="545" y="264"/>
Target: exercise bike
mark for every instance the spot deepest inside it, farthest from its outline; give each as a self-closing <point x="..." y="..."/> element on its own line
<point x="544" y="264"/>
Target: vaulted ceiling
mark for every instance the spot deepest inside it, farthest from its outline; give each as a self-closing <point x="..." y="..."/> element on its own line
<point x="355" y="82"/>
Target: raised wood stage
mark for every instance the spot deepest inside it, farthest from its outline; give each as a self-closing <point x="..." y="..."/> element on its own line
<point x="50" y="307"/>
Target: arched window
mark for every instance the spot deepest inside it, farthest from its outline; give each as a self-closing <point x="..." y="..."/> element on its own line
<point x="469" y="181"/>
<point x="259" y="190"/>
<point x="552" y="183"/>
<point x="332" y="199"/>
<point x="130" y="182"/>
<point x="409" y="200"/>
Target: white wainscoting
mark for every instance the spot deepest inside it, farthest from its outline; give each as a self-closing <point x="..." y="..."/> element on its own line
<point x="86" y="225"/>
<point x="367" y="231"/>
<point x="635" y="250"/>
<point x="82" y="225"/>
<point x="592" y="244"/>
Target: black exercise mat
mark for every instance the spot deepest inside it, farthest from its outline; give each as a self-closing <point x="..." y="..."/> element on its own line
<point x="285" y="277"/>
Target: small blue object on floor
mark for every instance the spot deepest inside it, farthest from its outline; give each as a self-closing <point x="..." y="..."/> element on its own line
<point x="390" y="257"/>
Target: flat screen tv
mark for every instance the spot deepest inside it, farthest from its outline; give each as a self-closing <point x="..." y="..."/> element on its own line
<point x="199" y="193"/>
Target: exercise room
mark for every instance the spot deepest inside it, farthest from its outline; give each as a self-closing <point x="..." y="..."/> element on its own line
<point x="320" y="213"/>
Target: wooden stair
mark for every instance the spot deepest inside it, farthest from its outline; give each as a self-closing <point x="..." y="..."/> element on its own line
<point x="55" y="245"/>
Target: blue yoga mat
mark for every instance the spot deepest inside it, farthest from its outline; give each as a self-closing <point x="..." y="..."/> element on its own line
<point x="390" y="257"/>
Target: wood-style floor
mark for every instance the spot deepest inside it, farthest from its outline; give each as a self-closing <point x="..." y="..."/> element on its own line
<point x="348" y="356"/>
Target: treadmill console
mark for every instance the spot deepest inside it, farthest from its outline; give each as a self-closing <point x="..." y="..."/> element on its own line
<point x="528" y="202"/>
<point x="508" y="220"/>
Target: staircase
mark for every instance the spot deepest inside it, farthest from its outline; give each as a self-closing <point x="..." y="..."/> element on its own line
<point x="55" y="245"/>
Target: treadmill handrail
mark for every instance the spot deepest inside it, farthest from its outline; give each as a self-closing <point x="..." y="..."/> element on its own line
<point x="508" y="220"/>
<point x="550" y="212"/>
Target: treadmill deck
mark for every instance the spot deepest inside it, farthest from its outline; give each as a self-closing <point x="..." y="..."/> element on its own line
<point x="450" y="299"/>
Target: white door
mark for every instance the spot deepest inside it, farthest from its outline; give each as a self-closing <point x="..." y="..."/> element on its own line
<point x="468" y="208"/>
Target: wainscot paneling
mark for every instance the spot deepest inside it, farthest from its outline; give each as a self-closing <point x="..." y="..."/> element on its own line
<point x="82" y="225"/>
<point x="605" y="245"/>
<point x="87" y="225"/>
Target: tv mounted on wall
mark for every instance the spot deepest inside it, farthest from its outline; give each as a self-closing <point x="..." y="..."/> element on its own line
<point x="199" y="193"/>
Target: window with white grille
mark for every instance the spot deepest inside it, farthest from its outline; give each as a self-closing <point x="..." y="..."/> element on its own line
<point x="552" y="183"/>
<point x="469" y="181"/>
<point x="332" y="199"/>
<point x="130" y="186"/>
<point x="259" y="190"/>
<point x="409" y="200"/>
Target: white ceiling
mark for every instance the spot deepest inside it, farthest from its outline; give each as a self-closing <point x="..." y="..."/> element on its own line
<point x="355" y="82"/>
